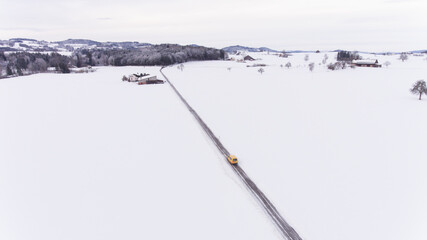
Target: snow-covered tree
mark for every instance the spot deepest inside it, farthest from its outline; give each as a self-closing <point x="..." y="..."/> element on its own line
<point x="288" y="65"/>
<point x="306" y="57"/>
<point x="347" y="56"/>
<point x="419" y="88"/>
<point x="9" y="71"/>
<point x="261" y="70"/>
<point x="39" y="65"/>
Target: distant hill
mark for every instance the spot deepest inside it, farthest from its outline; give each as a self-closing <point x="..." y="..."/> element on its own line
<point x="238" y="48"/>
<point x="22" y="39"/>
<point x="80" y="41"/>
<point x="300" y="51"/>
<point x="419" y="51"/>
<point x="65" y="46"/>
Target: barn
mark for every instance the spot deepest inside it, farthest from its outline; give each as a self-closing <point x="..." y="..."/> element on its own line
<point x="149" y="80"/>
<point x="366" y="63"/>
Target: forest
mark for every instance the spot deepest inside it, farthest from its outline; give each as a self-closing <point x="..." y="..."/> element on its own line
<point x="25" y="63"/>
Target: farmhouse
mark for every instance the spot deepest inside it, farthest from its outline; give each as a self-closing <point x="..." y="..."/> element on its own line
<point x="366" y="63"/>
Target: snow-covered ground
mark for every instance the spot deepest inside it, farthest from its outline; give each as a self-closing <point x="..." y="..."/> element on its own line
<point x="340" y="153"/>
<point x="87" y="156"/>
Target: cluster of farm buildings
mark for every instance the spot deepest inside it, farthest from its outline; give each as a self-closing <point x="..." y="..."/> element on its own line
<point x="356" y="63"/>
<point x="142" y="78"/>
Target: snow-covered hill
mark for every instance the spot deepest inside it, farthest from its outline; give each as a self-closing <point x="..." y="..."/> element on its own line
<point x="238" y="48"/>
<point x="65" y="47"/>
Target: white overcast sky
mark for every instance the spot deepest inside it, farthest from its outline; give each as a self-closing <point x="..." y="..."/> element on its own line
<point x="371" y="25"/>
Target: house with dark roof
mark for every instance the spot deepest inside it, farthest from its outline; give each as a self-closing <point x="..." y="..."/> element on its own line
<point x="248" y="58"/>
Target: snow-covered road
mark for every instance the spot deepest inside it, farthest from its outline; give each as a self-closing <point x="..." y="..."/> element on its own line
<point x="285" y="229"/>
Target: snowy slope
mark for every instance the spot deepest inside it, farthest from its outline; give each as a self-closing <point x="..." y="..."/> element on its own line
<point x="87" y="156"/>
<point x="340" y="153"/>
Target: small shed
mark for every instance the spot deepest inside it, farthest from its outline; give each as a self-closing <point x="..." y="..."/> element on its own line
<point x="248" y="58"/>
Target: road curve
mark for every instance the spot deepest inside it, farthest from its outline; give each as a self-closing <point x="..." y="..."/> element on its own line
<point x="285" y="229"/>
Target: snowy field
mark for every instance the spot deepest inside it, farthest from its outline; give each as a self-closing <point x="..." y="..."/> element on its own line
<point x="340" y="153"/>
<point x="87" y="156"/>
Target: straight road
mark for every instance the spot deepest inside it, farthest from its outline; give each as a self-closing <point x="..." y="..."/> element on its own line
<point x="285" y="229"/>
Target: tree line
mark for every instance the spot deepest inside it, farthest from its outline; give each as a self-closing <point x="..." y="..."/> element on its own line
<point x="24" y="63"/>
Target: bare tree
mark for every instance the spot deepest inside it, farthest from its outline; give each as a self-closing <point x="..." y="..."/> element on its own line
<point x="403" y="56"/>
<point x="261" y="70"/>
<point x="387" y="63"/>
<point x="181" y="67"/>
<point x="419" y="88"/>
<point x="311" y="66"/>
<point x="288" y="65"/>
<point x="325" y="58"/>
<point x="337" y="65"/>
<point x="306" y="57"/>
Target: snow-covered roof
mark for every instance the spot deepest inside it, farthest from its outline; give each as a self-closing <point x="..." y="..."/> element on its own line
<point x="366" y="61"/>
<point x="147" y="77"/>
